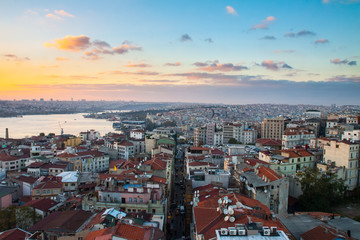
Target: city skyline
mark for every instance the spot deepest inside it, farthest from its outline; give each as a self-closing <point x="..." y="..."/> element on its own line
<point x="233" y="52"/>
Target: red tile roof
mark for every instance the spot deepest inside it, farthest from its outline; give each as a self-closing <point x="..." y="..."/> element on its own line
<point x="14" y="234"/>
<point x="41" y="204"/>
<point x="5" y="157"/>
<point x="93" y="153"/>
<point x="158" y="179"/>
<point x="252" y="162"/>
<point x="323" y="232"/>
<point x="156" y="164"/>
<point x="268" y="173"/>
<point x="66" y="222"/>
<point x="27" y="179"/>
<point x="199" y="149"/>
<point x="116" y="163"/>
<point x="268" y="142"/>
<point x="67" y="155"/>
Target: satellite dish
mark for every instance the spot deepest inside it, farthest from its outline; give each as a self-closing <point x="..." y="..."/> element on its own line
<point x="226" y="218"/>
<point x="231" y="211"/>
<point x="265" y="191"/>
<point x="226" y="198"/>
<point x="232" y="219"/>
<point x="226" y="201"/>
<point x="225" y="211"/>
<point x="238" y="204"/>
<point x="219" y="201"/>
<point x="218" y="209"/>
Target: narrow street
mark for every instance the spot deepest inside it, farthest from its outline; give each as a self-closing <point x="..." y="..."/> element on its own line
<point x="176" y="223"/>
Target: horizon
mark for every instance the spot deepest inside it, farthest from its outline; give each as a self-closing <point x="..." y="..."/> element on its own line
<point x="229" y="53"/>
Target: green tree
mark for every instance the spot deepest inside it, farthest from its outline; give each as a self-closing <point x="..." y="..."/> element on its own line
<point x="321" y="191"/>
<point x="7" y="218"/>
<point x="233" y="141"/>
<point x="26" y="217"/>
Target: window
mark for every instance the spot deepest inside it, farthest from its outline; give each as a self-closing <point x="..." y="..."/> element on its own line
<point x="55" y="191"/>
<point x="48" y="191"/>
<point x="37" y="192"/>
<point x="130" y="199"/>
<point x="140" y="200"/>
<point x="135" y="200"/>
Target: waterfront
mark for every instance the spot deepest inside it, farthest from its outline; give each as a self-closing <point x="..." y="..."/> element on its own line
<point x="32" y="125"/>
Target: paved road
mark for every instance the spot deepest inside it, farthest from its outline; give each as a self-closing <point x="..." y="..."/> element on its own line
<point x="177" y="220"/>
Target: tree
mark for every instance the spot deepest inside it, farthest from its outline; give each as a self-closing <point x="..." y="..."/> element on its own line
<point x="233" y="141"/>
<point x="321" y="191"/>
<point x="7" y="218"/>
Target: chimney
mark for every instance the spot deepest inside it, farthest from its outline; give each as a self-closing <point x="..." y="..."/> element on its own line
<point x="6" y="133"/>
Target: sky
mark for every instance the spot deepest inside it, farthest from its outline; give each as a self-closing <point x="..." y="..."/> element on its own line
<point x="218" y="51"/>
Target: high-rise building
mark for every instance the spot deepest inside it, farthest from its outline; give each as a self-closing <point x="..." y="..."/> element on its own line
<point x="272" y="128"/>
<point x="199" y="136"/>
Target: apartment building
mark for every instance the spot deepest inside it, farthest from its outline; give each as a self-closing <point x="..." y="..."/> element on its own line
<point x="272" y="128"/>
<point x="344" y="154"/>
<point x="296" y="137"/>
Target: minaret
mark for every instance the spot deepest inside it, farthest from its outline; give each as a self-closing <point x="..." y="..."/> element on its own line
<point x="6" y="133"/>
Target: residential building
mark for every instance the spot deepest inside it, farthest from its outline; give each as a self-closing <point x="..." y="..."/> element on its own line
<point x="296" y="137"/>
<point x="353" y="135"/>
<point x="273" y="128"/>
<point x="199" y="136"/>
<point x="344" y="154"/>
<point x="218" y="214"/>
<point x="210" y="132"/>
<point x="48" y="188"/>
<point x="14" y="160"/>
<point x="266" y="186"/>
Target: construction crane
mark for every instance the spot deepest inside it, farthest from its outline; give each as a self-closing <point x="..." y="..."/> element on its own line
<point x="62" y="130"/>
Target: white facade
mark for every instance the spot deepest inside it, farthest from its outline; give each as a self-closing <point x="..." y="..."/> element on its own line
<point x="351" y="135"/>
<point x="137" y="134"/>
<point x="218" y="138"/>
<point x="291" y="140"/>
<point x="344" y="155"/>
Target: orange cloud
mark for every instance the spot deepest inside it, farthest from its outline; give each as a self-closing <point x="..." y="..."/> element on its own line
<point x="63" y="13"/>
<point x="61" y="59"/>
<point x="71" y="43"/>
<point x="53" y="16"/>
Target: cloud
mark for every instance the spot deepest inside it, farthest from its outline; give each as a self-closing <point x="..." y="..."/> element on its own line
<point x="101" y="44"/>
<point x="352" y="63"/>
<point x="143" y="73"/>
<point x="209" y="40"/>
<point x="305" y="33"/>
<point x="284" y="51"/>
<point x="274" y="66"/>
<point x="210" y="66"/>
<point x="53" y="16"/>
<point x="125" y="47"/>
<point x="231" y="10"/>
<point x="158" y="81"/>
<point x="204" y="75"/>
<point x="321" y="41"/>
<point x="301" y="33"/>
<point x="139" y="65"/>
<point x="185" y="38"/>
<point x="59" y="15"/>
<point x="63" y="13"/>
<point x="13" y="57"/>
<point x="71" y="43"/>
<point x="62" y="59"/>
<point x="268" y="38"/>
<point x="176" y="64"/>
<point x="93" y="49"/>
<point x="338" y="61"/>
<point x="346" y="79"/>
<point x="264" y="23"/>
